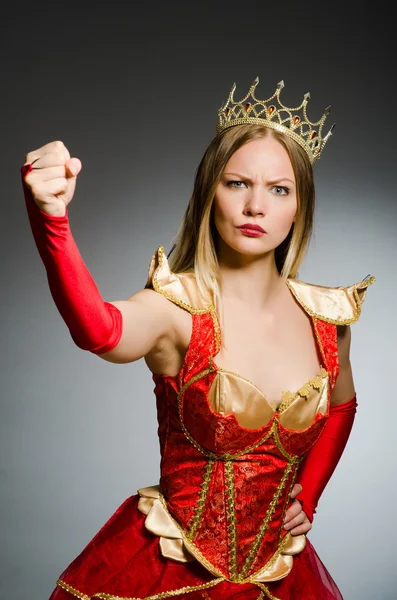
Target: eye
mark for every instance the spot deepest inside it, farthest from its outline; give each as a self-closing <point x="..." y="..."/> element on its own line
<point x="280" y="190"/>
<point x="233" y="182"/>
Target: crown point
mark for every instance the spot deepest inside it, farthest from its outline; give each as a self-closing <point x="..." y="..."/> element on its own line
<point x="256" y="81"/>
<point x="281" y="84"/>
<point x="307" y="96"/>
<point x="327" y="110"/>
<point x="332" y="127"/>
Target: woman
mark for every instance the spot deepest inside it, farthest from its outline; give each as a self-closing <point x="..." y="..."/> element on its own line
<point x="228" y="332"/>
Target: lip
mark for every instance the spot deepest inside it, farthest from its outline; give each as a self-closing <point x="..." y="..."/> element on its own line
<point x="252" y="227"/>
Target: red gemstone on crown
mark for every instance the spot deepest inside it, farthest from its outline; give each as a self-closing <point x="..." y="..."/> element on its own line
<point x="296" y="120"/>
<point x="228" y="111"/>
<point x="271" y="109"/>
<point x="313" y="135"/>
<point x="248" y="107"/>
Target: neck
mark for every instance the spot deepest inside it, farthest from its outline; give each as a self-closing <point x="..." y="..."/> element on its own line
<point x="251" y="280"/>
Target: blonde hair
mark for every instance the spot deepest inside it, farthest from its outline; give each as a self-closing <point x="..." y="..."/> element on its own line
<point x="196" y="237"/>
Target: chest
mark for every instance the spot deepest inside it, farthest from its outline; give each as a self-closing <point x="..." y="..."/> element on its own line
<point x="276" y="352"/>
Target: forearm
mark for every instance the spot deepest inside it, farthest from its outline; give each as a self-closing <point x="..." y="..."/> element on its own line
<point x="322" y="459"/>
<point x="94" y="325"/>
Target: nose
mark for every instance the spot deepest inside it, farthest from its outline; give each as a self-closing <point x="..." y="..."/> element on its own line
<point x="256" y="201"/>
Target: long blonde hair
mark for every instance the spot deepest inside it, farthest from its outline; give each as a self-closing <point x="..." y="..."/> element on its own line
<point x="195" y="248"/>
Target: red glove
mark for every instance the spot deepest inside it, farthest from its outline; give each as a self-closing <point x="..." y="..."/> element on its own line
<point x="322" y="458"/>
<point x="94" y="325"/>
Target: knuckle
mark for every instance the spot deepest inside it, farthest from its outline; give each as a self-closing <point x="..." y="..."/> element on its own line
<point x="59" y="158"/>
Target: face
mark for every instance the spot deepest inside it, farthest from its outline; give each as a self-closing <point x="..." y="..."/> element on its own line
<point x="257" y="187"/>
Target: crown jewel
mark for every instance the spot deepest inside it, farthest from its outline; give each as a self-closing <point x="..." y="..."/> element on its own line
<point x="272" y="113"/>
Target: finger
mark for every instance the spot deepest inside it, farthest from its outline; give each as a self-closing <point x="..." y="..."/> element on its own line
<point x="296" y="520"/>
<point x="305" y="527"/>
<point x="51" y="159"/>
<point x="296" y="490"/>
<point x="293" y="511"/>
<point x="51" y="148"/>
<point x="51" y="188"/>
<point x="46" y="173"/>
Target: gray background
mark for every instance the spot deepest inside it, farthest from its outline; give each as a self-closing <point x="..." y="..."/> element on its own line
<point x="133" y="90"/>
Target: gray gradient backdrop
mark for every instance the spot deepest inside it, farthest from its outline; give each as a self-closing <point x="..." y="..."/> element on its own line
<point x="133" y="90"/>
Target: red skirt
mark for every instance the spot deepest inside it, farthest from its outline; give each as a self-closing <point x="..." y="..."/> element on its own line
<point x="124" y="562"/>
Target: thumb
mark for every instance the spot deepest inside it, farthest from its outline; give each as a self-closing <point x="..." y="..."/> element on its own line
<point x="73" y="166"/>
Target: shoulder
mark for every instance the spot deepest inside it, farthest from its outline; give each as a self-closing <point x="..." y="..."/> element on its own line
<point x="338" y="305"/>
<point x="179" y="288"/>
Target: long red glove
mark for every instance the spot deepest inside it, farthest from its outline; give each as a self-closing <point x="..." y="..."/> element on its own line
<point x="94" y="325"/>
<point x="321" y="460"/>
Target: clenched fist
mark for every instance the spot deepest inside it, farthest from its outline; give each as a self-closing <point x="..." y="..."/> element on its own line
<point x="53" y="179"/>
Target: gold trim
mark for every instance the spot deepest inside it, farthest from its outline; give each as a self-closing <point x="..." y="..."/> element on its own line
<point x="217" y="331"/>
<point x="284" y="452"/>
<point x="191" y="439"/>
<point x="196" y="521"/>
<point x="269" y="595"/>
<point x="231" y="519"/>
<point x="171" y="593"/>
<point x="185" y="590"/>
<point x="265" y="523"/>
<point x="68" y="588"/>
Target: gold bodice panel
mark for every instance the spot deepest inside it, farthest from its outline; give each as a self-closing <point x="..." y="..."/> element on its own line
<point x="231" y="393"/>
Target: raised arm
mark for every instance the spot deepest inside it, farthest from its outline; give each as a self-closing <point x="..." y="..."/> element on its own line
<point x="120" y="331"/>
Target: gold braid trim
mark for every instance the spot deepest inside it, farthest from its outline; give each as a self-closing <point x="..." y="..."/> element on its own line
<point x="217" y="331"/>
<point x="170" y="594"/>
<point x="231" y="519"/>
<point x="265" y="523"/>
<point x="263" y="587"/>
<point x="202" y="499"/>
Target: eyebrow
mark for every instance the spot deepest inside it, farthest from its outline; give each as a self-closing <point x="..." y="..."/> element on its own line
<point x="277" y="180"/>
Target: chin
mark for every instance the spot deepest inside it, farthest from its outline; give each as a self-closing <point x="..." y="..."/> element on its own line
<point x="249" y="246"/>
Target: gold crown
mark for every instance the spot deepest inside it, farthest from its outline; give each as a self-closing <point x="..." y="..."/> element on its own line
<point x="272" y="113"/>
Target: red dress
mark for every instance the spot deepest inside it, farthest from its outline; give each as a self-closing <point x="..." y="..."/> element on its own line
<point x="212" y="528"/>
